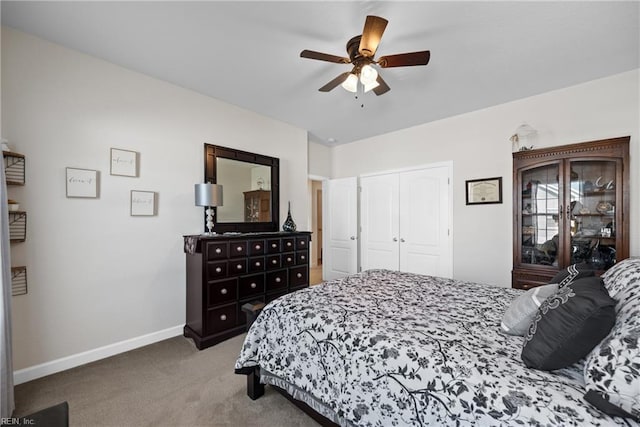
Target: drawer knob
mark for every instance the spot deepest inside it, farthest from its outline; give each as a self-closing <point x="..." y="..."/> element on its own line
<point x="288" y="259"/>
<point x="218" y="250"/>
<point x="274" y="245"/>
<point x="274" y="261"/>
<point x="253" y="286"/>
<point x="288" y="243"/>
<point x="299" y="275"/>
<point x="223" y="291"/>
<point x="257" y="263"/>
<point x="278" y="280"/>
<point x="301" y="256"/>
<point x="239" y="266"/>
<point x="302" y="243"/>
<point x="223" y="317"/>
<point x="239" y="248"/>
<point x="258" y="247"/>
<point x="218" y="269"/>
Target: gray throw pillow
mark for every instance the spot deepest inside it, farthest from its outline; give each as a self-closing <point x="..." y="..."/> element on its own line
<point x="520" y="314"/>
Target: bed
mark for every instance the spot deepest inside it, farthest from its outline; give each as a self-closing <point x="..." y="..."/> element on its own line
<point x="385" y="348"/>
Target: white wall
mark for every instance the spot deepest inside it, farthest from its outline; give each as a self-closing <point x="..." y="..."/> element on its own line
<point x="96" y="275"/>
<point x="478" y="143"/>
<point x="319" y="160"/>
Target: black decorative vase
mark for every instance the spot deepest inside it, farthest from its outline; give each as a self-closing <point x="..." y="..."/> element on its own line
<point x="289" y="226"/>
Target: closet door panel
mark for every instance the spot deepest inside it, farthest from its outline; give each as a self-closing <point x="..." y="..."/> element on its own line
<point x="379" y="221"/>
<point x="425" y="246"/>
<point x="340" y="227"/>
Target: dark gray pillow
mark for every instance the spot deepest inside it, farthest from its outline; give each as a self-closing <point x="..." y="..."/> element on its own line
<point x="568" y="325"/>
<point x="572" y="273"/>
<point x="522" y="310"/>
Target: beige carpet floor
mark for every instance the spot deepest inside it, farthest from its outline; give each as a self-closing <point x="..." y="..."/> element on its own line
<point x="169" y="383"/>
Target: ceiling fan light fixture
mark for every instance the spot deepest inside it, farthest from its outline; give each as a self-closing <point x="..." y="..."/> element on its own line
<point x="351" y="83"/>
<point x="368" y="75"/>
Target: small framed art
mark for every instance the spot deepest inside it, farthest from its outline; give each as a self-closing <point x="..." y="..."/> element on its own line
<point x="143" y="203"/>
<point x="484" y="191"/>
<point x="124" y="162"/>
<point x="82" y="183"/>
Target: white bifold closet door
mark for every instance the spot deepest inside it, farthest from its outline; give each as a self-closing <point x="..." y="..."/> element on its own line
<point x="405" y="219"/>
<point x="380" y="222"/>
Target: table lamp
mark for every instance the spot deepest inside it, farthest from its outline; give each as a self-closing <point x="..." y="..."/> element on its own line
<point x="209" y="196"/>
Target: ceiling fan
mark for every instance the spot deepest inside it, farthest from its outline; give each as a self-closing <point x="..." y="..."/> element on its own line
<point x="361" y="50"/>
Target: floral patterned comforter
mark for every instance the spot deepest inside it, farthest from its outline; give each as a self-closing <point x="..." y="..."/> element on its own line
<point x="384" y="348"/>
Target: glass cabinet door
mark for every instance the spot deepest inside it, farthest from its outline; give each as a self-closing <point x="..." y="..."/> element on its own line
<point x="592" y="212"/>
<point x="539" y="221"/>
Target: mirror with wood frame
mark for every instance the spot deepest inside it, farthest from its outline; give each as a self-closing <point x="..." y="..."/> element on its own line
<point x="250" y="185"/>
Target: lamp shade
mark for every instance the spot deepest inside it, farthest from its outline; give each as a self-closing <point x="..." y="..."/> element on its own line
<point x="208" y="194"/>
<point x="368" y="75"/>
<point x="351" y="83"/>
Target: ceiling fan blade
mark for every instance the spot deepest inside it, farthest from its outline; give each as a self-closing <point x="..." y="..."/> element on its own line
<point x="324" y="57"/>
<point x="335" y="82"/>
<point x="382" y="88"/>
<point x="371" y="34"/>
<point x="405" y="59"/>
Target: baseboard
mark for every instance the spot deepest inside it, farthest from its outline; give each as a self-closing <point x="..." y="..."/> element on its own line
<point x="62" y="364"/>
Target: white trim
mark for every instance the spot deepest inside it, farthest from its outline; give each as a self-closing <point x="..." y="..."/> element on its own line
<point x="317" y="177"/>
<point x="68" y="362"/>
<point x="448" y="163"/>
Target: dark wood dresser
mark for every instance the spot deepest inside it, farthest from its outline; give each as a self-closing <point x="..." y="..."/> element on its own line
<point x="227" y="270"/>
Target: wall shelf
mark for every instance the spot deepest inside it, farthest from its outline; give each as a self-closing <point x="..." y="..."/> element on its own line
<point x="14" y="167"/>
<point x="18" y="280"/>
<point x="17" y="226"/>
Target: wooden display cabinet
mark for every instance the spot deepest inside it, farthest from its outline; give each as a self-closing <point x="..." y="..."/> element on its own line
<point x="257" y="206"/>
<point x="571" y="205"/>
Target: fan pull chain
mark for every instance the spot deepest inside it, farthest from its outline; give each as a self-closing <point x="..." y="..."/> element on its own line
<point x="360" y="92"/>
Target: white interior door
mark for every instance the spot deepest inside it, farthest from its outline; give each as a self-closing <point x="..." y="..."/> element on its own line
<point x="340" y="227"/>
<point x="425" y="215"/>
<point x="379" y="221"/>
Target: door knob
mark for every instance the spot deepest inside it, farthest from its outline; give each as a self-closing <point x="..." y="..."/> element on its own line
<point x="395" y="239"/>
<point x="353" y="237"/>
<point x="402" y="240"/>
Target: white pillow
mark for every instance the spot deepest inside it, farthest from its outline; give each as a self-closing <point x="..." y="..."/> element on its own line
<point x="520" y="314"/>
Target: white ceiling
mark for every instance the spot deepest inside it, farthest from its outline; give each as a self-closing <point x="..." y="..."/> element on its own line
<point x="247" y="53"/>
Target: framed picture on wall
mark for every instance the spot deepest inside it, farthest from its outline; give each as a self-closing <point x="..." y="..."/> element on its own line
<point x="82" y="183"/>
<point x="143" y="203"/>
<point x="124" y="162"/>
<point x="484" y="191"/>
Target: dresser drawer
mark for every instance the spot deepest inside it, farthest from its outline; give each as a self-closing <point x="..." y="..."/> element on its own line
<point x="256" y="247"/>
<point x="273" y="246"/>
<point x="271" y="297"/>
<point x="221" y="291"/>
<point x="222" y="318"/>
<point x="251" y="285"/>
<point x="298" y="276"/>
<point x="242" y="316"/>
<point x="237" y="248"/>
<point x="288" y="244"/>
<point x="277" y="280"/>
<point x="237" y="266"/>
<point x="302" y="243"/>
<point x="302" y="257"/>
<point x="288" y="259"/>
<point x="273" y="262"/>
<point x="256" y="264"/>
<point x="216" y="270"/>
<point x="216" y="250"/>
